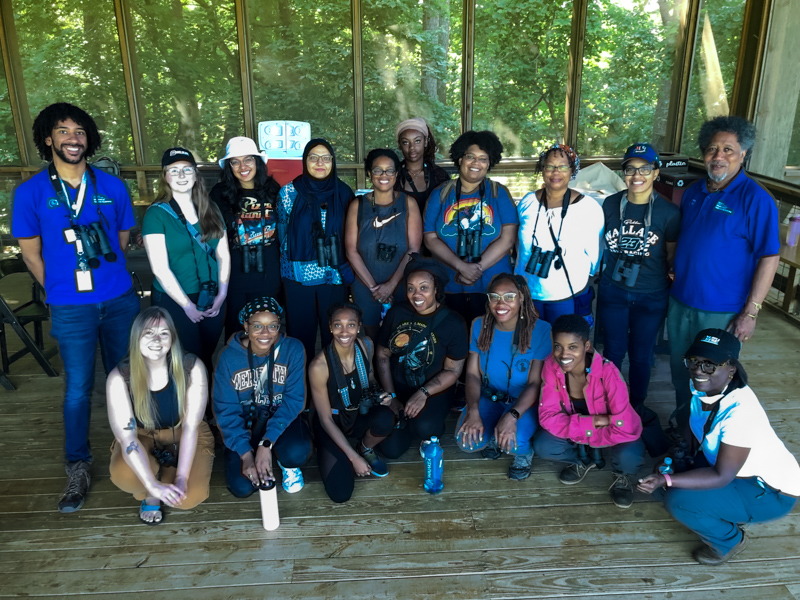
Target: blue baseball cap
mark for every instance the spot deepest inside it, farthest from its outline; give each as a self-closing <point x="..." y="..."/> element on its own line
<point x="645" y="152"/>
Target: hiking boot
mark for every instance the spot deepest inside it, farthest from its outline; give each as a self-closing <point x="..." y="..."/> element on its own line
<point x="292" y="479"/>
<point x="491" y="450"/>
<point x="78" y="481"/>
<point x="521" y="467"/>
<point x="706" y="555"/>
<point x="621" y="491"/>
<point x="379" y="468"/>
<point x="572" y="474"/>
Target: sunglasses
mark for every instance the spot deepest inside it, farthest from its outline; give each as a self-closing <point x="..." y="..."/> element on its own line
<point x="706" y="366"/>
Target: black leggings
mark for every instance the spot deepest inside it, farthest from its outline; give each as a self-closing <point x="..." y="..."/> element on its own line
<point x="334" y="466"/>
<point x="428" y="423"/>
<point x="306" y="309"/>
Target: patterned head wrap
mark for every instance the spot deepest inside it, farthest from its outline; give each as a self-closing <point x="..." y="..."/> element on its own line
<point x="571" y="154"/>
<point x="264" y="303"/>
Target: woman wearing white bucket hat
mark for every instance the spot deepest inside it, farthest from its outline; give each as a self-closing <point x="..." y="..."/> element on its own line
<point x="246" y="195"/>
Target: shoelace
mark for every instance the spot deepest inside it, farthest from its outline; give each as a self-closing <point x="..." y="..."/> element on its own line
<point x="292" y="476"/>
<point x="74" y="481"/>
<point x="622" y="479"/>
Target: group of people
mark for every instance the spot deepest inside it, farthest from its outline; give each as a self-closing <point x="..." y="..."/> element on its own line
<point x="412" y="288"/>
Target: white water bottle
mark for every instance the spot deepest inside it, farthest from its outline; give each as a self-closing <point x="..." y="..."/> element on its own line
<point x="269" y="505"/>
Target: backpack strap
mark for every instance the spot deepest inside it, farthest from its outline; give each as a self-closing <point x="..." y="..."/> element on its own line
<point x="189" y="227"/>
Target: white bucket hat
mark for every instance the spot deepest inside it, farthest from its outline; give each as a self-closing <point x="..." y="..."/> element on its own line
<point x="241" y="146"/>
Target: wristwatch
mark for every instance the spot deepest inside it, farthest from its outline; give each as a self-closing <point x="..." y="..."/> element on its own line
<point x="425" y="391"/>
<point x="265" y="443"/>
<point x="514" y="413"/>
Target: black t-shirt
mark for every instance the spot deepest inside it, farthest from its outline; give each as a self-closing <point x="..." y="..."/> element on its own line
<point x="448" y="339"/>
<point x="626" y="239"/>
<point x="434" y="175"/>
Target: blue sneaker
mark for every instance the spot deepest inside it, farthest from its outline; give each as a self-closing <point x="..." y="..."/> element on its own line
<point x="379" y="468"/>
<point x="292" y="479"/>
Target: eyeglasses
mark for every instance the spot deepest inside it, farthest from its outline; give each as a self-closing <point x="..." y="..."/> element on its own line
<point x="258" y="327"/>
<point x="324" y="158"/>
<point x="554" y="168"/>
<point x="177" y="172"/>
<point x="484" y="160"/>
<point x="247" y="162"/>
<point x="705" y="366"/>
<point x="507" y="297"/>
<point x="379" y="172"/>
<point x="645" y="170"/>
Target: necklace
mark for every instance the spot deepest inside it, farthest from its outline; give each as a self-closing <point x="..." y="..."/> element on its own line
<point x="416" y="173"/>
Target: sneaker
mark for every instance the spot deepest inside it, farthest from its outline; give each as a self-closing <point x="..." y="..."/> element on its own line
<point x="492" y="450"/>
<point x="379" y="468"/>
<point x="621" y="491"/>
<point x="521" y="467"/>
<point x="78" y="481"/>
<point x="572" y="474"/>
<point x="706" y="555"/>
<point x="292" y="479"/>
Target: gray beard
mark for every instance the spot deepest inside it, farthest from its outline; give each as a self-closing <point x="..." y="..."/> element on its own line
<point x="717" y="179"/>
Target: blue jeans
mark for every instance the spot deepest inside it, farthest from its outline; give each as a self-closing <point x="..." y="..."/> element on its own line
<point x="491" y="413"/>
<point x="76" y="328"/>
<point x="715" y="514"/>
<point x="630" y="322"/>
<point x="581" y="305"/>
<point x="626" y="458"/>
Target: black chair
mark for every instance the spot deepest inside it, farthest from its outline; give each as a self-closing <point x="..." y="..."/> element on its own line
<point x="28" y="308"/>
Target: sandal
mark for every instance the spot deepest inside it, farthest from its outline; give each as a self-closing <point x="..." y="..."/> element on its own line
<point x="145" y="508"/>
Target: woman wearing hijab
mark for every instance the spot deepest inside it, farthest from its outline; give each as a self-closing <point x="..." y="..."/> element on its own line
<point x="311" y="214"/>
<point x="743" y="472"/>
<point x="418" y="174"/>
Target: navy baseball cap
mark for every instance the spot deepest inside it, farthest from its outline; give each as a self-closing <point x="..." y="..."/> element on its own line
<point x="645" y="152"/>
<point x="715" y="344"/>
<point x="177" y="154"/>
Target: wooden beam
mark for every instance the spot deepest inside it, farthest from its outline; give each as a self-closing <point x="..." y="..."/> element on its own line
<point x="131" y="74"/>
<point x="17" y="97"/>
<point x="358" y="94"/>
<point x="750" y="61"/>
<point x="679" y="92"/>
<point x="575" y="72"/>
<point x="467" y="64"/>
<point x="245" y="72"/>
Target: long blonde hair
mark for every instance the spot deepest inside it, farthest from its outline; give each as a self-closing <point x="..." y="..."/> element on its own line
<point x="212" y="226"/>
<point x="144" y="406"/>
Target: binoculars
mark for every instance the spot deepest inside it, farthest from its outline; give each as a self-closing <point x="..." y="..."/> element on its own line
<point x="205" y="299"/>
<point x="541" y="260"/>
<point x="386" y="252"/>
<point x="328" y="254"/>
<point x="370" y="398"/>
<point x="468" y="245"/>
<point x="626" y="270"/>
<point x="95" y="243"/>
<point x="252" y="257"/>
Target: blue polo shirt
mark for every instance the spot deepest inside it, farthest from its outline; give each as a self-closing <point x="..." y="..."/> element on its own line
<point x="37" y="212"/>
<point x="723" y="236"/>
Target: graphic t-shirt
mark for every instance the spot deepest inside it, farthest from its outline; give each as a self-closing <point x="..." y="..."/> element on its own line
<point x="447" y="340"/>
<point x="503" y="370"/>
<point x="626" y="239"/>
<point x="481" y="216"/>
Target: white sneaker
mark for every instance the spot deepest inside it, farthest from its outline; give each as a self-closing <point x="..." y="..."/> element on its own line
<point x="292" y="479"/>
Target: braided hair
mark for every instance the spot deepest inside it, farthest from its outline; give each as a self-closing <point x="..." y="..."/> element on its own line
<point x="527" y="314"/>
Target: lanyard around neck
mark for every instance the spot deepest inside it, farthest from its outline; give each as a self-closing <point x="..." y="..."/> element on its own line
<point x="60" y="188"/>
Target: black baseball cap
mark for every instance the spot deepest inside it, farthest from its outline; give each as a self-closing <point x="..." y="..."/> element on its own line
<point x="431" y="265"/>
<point x="717" y="345"/>
<point x="177" y="154"/>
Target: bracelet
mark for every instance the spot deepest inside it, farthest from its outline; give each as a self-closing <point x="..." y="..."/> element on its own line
<point x="751" y="316"/>
<point x="756" y="304"/>
<point x="668" y="479"/>
<point x="425" y="391"/>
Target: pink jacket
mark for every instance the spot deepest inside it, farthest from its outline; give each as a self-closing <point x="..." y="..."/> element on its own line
<point x="606" y="394"/>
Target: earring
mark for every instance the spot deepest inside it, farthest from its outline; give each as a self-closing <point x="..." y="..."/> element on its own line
<point x="521" y="316"/>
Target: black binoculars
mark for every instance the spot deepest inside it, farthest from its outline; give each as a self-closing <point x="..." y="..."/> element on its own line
<point x="626" y="270"/>
<point x="205" y="299"/>
<point x="328" y="254"/>
<point x="540" y="262"/>
<point x="95" y="243"/>
<point x="468" y="245"/>
<point x="252" y="257"/>
<point x="165" y="457"/>
<point x="369" y="398"/>
<point x="386" y="252"/>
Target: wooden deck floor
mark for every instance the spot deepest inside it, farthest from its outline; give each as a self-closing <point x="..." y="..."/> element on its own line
<point x="483" y="537"/>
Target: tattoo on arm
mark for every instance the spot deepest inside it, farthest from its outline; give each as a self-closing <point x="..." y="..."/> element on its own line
<point x="435" y="380"/>
<point x="131" y="425"/>
<point x="132" y="447"/>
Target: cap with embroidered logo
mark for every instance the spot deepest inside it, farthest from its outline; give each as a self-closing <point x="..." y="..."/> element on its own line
<point x="645" y="152"/>
<point x="177" y="154"/>
<point x="716" y="345"/>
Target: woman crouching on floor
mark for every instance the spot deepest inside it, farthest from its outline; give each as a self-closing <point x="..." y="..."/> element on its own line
<point x="163" y="451"/>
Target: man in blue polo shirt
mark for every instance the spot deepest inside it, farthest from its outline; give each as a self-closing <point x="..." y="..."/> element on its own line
<point x="727" y="251"/>
<point x="73" y="224"/>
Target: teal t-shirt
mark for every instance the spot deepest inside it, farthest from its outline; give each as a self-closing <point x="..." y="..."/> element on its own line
<point x="187" y="260"/>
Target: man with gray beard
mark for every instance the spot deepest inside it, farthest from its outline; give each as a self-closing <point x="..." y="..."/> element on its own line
<point x="727" y="250"/>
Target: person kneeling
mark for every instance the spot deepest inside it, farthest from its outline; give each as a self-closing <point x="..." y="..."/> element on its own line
<point x="504" y="372"/>
<point x="348" y="404"/>
<point x="744" y="473"/>
<point x="163" y="451"/>
<point x="584" y="406"/>
<point x="259" y="393"/>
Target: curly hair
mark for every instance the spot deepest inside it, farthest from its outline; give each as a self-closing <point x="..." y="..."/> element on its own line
<point x="376" y="153"/>
<point x="485" y="140"/>
<point x="265" y="187"/>
<point x="437" y="283"/>
<point x="565" y="151"/>
<point x="527" y="314"/>
<point x="52" y="115"/>
<point x="743" y="129"/>
<point x="573" y="325"/>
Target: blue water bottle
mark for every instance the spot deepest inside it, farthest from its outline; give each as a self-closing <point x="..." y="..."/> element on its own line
<point x="666" y="468"/>
<point x="432" y="452"/>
